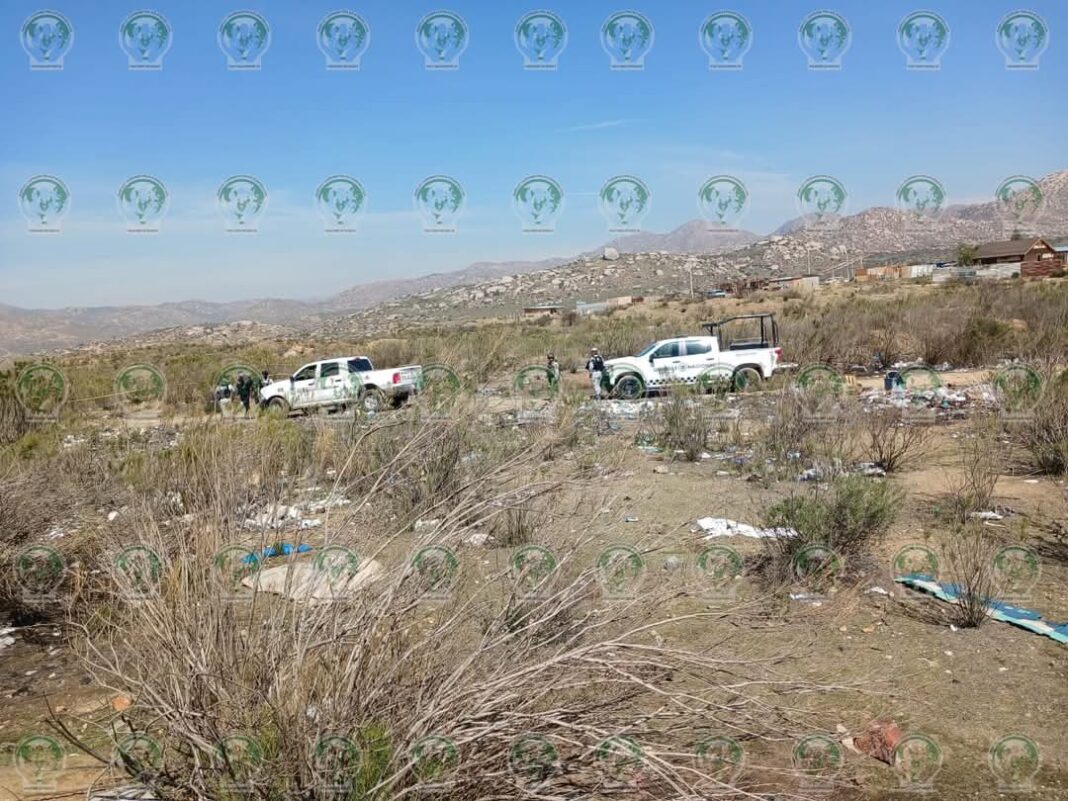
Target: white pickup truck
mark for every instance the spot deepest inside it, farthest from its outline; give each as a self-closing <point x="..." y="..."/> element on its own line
<point x="707" y="362"/>
<point x="341" y="383"/>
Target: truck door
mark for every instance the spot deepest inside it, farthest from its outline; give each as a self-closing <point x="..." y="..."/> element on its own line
<point x="667" y="362"/>
<point x="303" y="385"/>
<point x="701" y="353"/>
<point x="330" y="387"/>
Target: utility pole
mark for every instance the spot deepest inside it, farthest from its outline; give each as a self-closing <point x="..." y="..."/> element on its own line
<point x="690" y="265"/>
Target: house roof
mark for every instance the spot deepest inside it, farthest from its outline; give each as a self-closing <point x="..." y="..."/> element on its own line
<point x="1008" y="247"/>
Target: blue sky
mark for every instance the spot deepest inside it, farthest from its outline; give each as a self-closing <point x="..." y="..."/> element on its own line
<point x="489" y="124"/>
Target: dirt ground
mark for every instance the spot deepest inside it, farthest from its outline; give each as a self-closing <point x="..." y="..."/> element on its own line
<point x="963" y="688"/>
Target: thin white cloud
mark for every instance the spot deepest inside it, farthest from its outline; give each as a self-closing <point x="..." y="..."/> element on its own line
<point x="596" y="126"/>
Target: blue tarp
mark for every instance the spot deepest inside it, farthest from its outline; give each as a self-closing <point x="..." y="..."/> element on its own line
<point x="1006" y="613"/>
<point x="285" y="550"/>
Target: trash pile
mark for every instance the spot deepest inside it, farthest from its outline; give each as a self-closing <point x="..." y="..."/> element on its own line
<point x="715" y="527"/>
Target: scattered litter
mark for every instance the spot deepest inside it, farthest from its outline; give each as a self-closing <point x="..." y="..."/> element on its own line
<point x="424" y="525"/>
<point x="307" y="523"/>
<point x="630" y="519"/>
<point x="478" y="539"/>
<point x="807" y="598"/>
<point x="307" y="583"/>
<point x="876" y="590"/>
<point x="877" y="741"/>
<point x="987" y="516"/>
<point x="111" y="516"/>
<point x="1031" y="481"/>
<point x="120" y="703"/>
<point x="1006" y="613"/>
<point x="56" y="533"/>
<point x="6" y="639"/>
<point x="661" y="469"/>
<point x="713" y="527"/>
<point x="278" y="549"/>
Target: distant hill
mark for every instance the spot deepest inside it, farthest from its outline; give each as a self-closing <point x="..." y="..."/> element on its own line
<point x="793" y="248"/>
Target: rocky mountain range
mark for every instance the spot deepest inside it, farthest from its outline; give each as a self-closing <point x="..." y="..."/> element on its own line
<point x="648" y="262"/>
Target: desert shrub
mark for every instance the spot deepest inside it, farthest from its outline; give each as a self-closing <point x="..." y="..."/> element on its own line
<point x="1045" y="434"/>
<point x="848" y="516"/>
<point x="971" y="549"/>
<point x="684" y="425"/>
<point x="891" y="440"/>
<point x="13" y="422"/>
<point x="386" y="668"/>
<point x="979" y="461"/>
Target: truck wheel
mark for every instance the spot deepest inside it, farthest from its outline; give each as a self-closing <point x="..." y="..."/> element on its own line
<point x="747" y="379"/>
<point x="279" y="405"/>
<point x="629" y="387"/>
<point x="373" y="401"/>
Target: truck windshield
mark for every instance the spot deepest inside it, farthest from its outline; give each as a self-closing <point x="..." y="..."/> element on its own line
<point x="647" y="349"/>
<point x="360" y="365"/>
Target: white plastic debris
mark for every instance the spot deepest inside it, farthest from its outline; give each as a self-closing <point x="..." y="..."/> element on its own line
<point x="426" y="525"/>
<point x="111" y="516"/>
<point x="988" y="516"/>
<point x="307" y="523"/>
<point x="301" y="581"/>
<point x="876" y="590"/>
<point x="713" y="527"/>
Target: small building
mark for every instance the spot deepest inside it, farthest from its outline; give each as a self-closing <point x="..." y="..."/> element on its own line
<point x="542" y="310"/>
<point x="919" y="270"/>
<point x="881" y="272"/>
<point x="621" y="302"/>
<point x="591" y="308"/>
<point x="1010" y="251"/>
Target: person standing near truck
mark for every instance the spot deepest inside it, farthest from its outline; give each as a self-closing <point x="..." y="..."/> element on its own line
<point x="244" y="391"/>
<point x="595" y="367"/>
